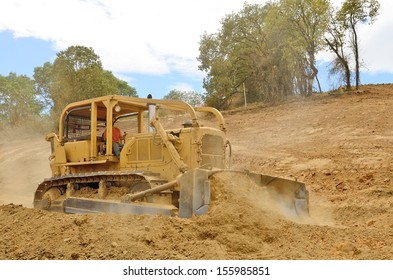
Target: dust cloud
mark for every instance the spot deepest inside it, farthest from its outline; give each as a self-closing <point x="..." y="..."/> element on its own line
<point x="23" y="165"/>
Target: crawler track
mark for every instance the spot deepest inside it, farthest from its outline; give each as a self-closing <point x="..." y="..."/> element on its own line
<point x="113" y="177"/>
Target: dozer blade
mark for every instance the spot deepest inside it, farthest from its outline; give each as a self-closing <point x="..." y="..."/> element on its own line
<point x="290" y="197"/>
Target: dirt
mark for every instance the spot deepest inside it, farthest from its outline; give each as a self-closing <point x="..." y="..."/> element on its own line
<point x="340" y="146"/>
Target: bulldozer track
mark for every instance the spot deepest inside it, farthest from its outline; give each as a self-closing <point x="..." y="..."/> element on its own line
<point x="95" y="177"/>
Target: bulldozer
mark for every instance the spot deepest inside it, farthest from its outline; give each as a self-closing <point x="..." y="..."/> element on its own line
<point x="160" y="164"/>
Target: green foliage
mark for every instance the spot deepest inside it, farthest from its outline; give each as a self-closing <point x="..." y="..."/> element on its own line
<point x="342" y="35"/>
<point x="191" y="97"/>
<point x="269" y="49"/>
<point x="43" y="80"/>
<point x="307" y="22"/>
<point x="18" y="100"/>
<point x="353" y="12"/>
<point x="76" y="74"/>
<point x="336" y="41"/>
<point x="350" y="15"/>
<point x="233" y="56"/>
<point x="122" y="87"/>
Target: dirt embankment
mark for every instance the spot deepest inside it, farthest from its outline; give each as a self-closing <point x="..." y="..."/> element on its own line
<point x="340" y="146"/>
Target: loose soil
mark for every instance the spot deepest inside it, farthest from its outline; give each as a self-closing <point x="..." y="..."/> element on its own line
<point x="340" y="146"/>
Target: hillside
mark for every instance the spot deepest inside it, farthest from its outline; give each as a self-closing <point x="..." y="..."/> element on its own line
<point x="340" y="146"/>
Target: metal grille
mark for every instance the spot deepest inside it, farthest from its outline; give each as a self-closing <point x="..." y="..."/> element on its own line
<point x="213" y="151"/>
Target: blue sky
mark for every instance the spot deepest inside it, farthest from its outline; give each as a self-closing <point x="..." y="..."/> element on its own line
<point x="151" y="44"/>
<point x="21" y="55"/>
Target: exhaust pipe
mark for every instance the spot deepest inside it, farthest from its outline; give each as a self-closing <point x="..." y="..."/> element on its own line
<point x="152" y="114"/>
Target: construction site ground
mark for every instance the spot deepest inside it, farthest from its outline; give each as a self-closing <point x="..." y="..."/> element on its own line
<point x="339" y="145"/>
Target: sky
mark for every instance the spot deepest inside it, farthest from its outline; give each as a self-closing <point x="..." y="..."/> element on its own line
<point x="151" y="44"/>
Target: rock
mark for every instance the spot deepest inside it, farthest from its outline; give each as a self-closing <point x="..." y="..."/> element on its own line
<point x="370" y="223"/>
<point x="347" y="248"/>
<point x="74" y="256"/>
<point x="99" y="227"/>
<point x="80" y="221"/>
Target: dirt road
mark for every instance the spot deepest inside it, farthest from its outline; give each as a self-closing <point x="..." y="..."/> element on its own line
<point x="340" y="146"/>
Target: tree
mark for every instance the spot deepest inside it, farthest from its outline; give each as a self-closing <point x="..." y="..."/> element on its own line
<point x="191" y="97"/>
<point x="43" y="81"/>
<point x="18" y="100"/>
<point x="336" y="42"/>
<point x="215" y="61"/>
<point x="269" y="50"/>
<point x="237" y="56"/>
<point x="351" y="14"/>
<point x="309" y="19"/>
<point x="123" y="88"/>
<point x="76" y="74"/>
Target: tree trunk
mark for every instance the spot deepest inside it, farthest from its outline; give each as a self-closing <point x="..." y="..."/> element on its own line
<point x="355" y="47"/>
<point x="314" y="72"/>
<point x="347" y="77"/>
<point x="319" y="84"/>
<point x="337" y="48"/>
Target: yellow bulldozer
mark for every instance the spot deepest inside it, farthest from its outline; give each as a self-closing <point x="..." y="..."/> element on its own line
<point x="119" y="154"/>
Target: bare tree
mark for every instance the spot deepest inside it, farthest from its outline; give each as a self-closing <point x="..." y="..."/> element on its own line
<point x="351" y="14"/>
<point x="336" y="42"/>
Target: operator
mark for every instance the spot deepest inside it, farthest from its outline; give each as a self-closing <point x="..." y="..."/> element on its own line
<point x="116" y="138"/>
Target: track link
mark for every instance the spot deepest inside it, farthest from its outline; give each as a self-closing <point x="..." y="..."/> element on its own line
<point x="61" y="182"/>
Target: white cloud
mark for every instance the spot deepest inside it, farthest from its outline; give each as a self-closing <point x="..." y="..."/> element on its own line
<point x="153" y="36"/>
<point x="181" y="87"/>
<point x="150" y="36"/>
<point x="375" y="41"/>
